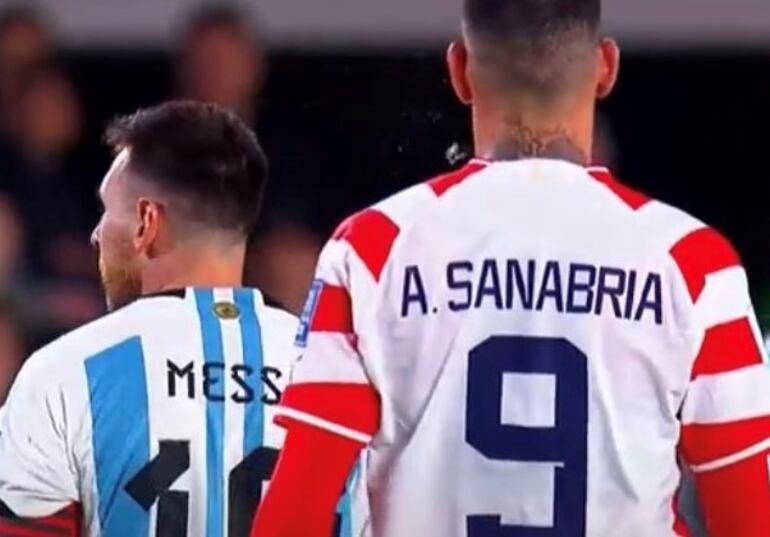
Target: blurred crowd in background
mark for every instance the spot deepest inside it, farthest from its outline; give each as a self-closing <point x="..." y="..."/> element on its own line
<point x="338" y="134"/>
<point x="48" y="174"/>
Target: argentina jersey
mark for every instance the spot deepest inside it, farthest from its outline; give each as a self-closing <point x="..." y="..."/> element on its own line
<point x="156" y="420"/>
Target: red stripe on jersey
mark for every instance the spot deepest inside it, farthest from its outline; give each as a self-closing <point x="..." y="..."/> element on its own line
<point x="632" y="198"/>
<point x="12" y="529"/>
<point x="701" y="444"/>
<point x="65" y="523"/>
<point x="701" y="253"/>
<point x="333" y="311"/>
<point x="727" y="347"/>
<point x="736" y="498"/>
<point x="355" y="406"/>
<point x="444" y="182"/>
<point x="371" y="234"/>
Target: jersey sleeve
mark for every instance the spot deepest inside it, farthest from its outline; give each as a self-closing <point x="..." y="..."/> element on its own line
<point x="726" y="412"/>
<point x="37" y="475"/>
<point x="729" y="389"/>
<point x="331" y="387"/>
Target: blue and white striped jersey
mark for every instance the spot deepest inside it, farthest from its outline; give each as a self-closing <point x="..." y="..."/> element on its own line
<point x="157" y="419"/>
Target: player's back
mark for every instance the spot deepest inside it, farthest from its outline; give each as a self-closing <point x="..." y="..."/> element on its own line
<point x="159" y="416"/>
<point x="533" y="338"/>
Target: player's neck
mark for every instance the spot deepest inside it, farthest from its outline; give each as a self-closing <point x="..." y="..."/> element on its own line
<point x="523" y="134"/>
<point x="517" y="148"/>
<point x="195" y="268"/>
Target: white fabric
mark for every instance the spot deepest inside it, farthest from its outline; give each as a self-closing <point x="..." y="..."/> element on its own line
<point x="47" y="453"/>
<point x="424" y="477"/>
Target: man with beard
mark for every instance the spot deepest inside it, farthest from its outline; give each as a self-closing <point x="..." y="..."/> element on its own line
<point x="157" y="418"/>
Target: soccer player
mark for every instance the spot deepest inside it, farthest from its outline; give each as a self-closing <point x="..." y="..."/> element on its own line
<point x="156" y="419"/>
<point x="526" y="345"/>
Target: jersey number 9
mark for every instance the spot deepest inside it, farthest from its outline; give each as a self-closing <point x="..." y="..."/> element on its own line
<point x="561" y="443"/>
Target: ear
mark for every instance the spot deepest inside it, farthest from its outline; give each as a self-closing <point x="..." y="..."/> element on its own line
<point x="149" y="214"/>
<point x="608" y="67"/>
<point x="457" y="62"/>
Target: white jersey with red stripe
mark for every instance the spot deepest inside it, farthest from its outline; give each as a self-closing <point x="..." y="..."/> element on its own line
<point x="544" y="342"/>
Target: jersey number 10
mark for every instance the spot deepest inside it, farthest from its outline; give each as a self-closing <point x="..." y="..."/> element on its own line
<point x="152" y="482"/>
<point x="564" y="445"/>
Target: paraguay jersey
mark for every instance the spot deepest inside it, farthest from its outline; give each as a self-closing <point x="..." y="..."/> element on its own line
<point x="544" y="343"/>
<point x="155" y="419"/>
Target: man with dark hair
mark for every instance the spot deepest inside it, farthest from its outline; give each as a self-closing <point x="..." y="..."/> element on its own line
<point x="155" y="419"/>
<point x="220" y="58"/>
<point x="525" y="345"/>
<point x="194" y="176"/>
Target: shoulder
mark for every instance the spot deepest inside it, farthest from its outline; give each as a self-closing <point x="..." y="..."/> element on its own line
<point x="696" y="249"/>
<point x="278" y="328"/>
<point x="686" y="238"/>
<point x="701" y="252"/>
<point x="372" y="232"/>
<point x="79" y="344"/>
<point x="57" y="371"/>
<point x="67" y="354"/>
<point x="275" y="317"/>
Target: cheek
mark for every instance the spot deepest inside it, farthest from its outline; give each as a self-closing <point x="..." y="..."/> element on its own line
<point x="114" y="238"/>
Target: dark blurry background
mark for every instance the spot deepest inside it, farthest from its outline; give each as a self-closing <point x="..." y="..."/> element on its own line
<point x="344" y="121"/>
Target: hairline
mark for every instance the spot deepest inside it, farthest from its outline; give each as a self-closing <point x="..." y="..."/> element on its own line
<point x="143" y="185"/>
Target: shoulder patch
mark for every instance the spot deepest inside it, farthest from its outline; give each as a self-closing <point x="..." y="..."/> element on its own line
<point x="306" y="317"/>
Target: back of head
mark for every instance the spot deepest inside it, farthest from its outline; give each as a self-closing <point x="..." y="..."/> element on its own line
<point x="201" y="157"/>
<point x="541" y="48"/>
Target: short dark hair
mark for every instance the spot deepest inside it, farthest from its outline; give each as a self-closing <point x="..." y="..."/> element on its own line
<point x="200" y="152"/>
<point x="534" y="45"/>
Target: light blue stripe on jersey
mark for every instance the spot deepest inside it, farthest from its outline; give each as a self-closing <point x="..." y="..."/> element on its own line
<point x="251" y="337"/>
<point x="344" y="508"/>
<point x="213" y="353"/>
<point x="117" y="389"/>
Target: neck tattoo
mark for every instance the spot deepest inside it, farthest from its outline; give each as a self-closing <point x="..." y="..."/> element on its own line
<point x="521" y="142"/>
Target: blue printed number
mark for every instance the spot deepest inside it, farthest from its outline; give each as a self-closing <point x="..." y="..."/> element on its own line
<point x="564" y="444"/>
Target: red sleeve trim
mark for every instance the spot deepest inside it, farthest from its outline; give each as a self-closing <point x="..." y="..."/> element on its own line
<point x="371" y="234"/>
<point x="736" y="499"/>
<point x="701" y="444"/>
<point x="701" y="253"/>
<point x="333" y="311"/>
<point x="440" y="185"/>
<point x="65" y="523"/>
<point x="634" y="199"/>
<point x="353" y="406"/>
<point x="306" y="484"/>
<point x="727" y="347"/>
